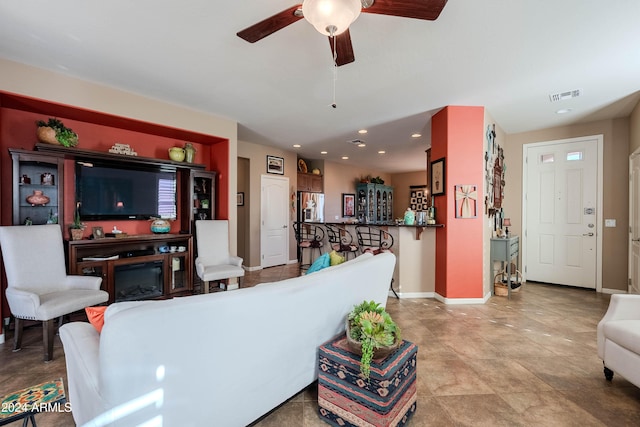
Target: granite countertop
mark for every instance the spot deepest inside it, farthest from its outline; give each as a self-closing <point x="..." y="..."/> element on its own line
<point x="379" y="224"/>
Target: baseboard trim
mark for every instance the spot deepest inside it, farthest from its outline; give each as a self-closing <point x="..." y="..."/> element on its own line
<point x="613" y="291"/>
<point x="459" y="301"/>
<point x="403" y="295"/>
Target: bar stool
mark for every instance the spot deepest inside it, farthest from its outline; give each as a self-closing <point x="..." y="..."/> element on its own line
<point x="308" y="236"/>
<point x="341" y="240"/>
<point x="375" y="240"/>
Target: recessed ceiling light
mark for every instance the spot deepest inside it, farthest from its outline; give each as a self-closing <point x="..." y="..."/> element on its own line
<point x="296" y="145"/>
<point x="345" y="157"/>
<point x="564" y="110"/>
<point x="382" y="152"/>
<point x="323" y="152"/>
<point x="416" y="135"/>
<point x="362" y="131"/>
<point x="362" y="144"/>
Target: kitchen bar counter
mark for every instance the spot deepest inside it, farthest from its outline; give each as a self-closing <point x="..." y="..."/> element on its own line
<point x="414" y="247"/>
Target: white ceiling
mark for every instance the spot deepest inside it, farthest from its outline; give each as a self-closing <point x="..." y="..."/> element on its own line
<point x="506" y="55"/>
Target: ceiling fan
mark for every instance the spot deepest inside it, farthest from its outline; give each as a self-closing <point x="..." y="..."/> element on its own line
<point x="333" y="17"/>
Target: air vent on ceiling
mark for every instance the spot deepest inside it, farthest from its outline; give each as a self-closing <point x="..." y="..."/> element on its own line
<point x="554" y="97"/>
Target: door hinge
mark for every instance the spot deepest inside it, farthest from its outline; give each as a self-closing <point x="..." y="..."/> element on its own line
<point x="629" y="283"/>
<point x="525" y="268"/>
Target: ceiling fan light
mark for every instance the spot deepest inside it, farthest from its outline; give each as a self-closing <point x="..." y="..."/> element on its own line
<point x="325" y="15"/>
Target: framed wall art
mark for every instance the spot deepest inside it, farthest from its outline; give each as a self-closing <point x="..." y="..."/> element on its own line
<point x="418" y="198"/>
<point x="348" y="204"/>
<point x="466" y="201"/>
<point x="437" y="177"/>
<point x="275" y="165"/>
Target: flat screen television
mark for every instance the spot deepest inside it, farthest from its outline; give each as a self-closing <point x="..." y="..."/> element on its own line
<point x="108" y="190"/>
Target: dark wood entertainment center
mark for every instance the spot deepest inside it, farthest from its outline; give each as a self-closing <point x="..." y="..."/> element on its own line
<point x="165" y="259"/>
<point x="92" y="258"/>
<point x="151" y="135"/>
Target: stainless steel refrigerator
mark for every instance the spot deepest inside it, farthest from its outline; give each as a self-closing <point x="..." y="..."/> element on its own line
<point x="310" y="207"/>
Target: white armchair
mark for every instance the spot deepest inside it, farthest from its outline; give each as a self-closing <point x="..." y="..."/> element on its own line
<point x="38" y="287"/>
<point x="619" y="338"/>
<point x="214" y="262"/>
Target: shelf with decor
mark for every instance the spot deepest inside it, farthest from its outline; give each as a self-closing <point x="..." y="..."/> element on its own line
<point x="78" y="153"/>
<point x="38" y="183"/>
<point x="198" y="198"/>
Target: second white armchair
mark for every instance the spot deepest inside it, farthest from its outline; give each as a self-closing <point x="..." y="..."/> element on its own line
<point x="214" y="261"/>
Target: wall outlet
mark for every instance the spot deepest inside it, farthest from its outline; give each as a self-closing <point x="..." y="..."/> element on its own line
<point x="609" y="222"/>
<point x="337" y="217"/>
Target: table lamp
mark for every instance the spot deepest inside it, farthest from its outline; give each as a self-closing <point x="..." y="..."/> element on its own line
<point x="507" y="223"/>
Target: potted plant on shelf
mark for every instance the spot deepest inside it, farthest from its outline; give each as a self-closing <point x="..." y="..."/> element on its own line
<point x="371" y="333"/>
<point x="54" y="131"/>
<point x="76" y="228"/>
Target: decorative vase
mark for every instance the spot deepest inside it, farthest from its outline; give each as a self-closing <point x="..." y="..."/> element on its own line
<point x="355" y="347"/>
<point x="409" y="217"/>
<point x="76" y="233"/>
<point x="37" y="198"/>
<point x="176" y="154"/>
<point x="189" y="152"/>
<point x="160" y="226"/>
<point x="47" y="134"/>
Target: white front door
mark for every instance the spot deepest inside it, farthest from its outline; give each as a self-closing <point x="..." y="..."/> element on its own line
<point x="274" y="229"/>
<point x="634" y="223"/>
<point x="562" y="211"/>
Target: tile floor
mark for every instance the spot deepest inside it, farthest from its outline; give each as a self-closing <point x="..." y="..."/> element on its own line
<point x="528" y="361"/>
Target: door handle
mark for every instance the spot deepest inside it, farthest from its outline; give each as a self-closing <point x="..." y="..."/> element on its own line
<point x="284" y="226"/>
<point x="588" y="234"/>
<point x="635" y="240"/>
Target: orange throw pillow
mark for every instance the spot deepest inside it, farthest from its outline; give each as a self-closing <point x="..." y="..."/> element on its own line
<point x="96" y="316"/>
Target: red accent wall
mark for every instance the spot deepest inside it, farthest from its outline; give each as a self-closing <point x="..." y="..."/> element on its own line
<point x="457" y="136"/>
<point x="99" y="131"/>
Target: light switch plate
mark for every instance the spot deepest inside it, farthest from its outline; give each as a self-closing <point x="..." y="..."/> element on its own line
<point x="609" y="222"/>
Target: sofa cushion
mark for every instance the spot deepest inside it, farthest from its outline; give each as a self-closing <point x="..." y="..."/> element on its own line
<point x="323" y="261"/>
<point x="625" y="333"/>
<point x="96" y="316"/>
<point x="336" y="258"/>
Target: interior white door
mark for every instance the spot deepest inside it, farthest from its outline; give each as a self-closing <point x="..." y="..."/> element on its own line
<point x="561" y="203"/>
<point x="634" y="223"/>
<point x="274" y="230"/>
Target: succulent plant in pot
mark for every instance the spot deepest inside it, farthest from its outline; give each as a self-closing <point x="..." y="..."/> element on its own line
<point x="54" y="131"/>
<point x="372" y="333"/>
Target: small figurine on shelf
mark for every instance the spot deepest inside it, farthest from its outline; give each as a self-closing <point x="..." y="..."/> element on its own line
<point x="53" y="218"/>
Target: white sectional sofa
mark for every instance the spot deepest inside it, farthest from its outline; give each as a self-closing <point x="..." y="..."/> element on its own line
<point x="223" y="359"/>
<point x="619" y="338"/>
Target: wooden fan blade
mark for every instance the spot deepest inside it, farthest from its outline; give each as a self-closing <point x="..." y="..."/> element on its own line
<point x="344" y="48"/>
<point x="418" y="9"/>
<point x="270" y="25"/>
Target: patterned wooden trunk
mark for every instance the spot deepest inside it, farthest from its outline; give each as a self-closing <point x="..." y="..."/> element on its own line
<point x="387" y="398"/>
